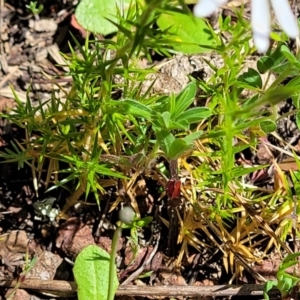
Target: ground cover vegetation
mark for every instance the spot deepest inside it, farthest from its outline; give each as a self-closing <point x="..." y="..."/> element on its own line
<point x="204" y="166"/>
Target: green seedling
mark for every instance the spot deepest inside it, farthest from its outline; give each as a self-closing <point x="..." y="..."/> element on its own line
<point x="29" y="264"/>
<point x="128" y="220"/>
<point x="285" y="281"/>
<point x="134" y="225"/>
<point x="36" y="10"/>
<point x="101" y="282"/>
<point x="126" y="215"/>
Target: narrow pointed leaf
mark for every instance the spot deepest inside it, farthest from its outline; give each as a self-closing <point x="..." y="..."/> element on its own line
<point x="184" y="100"/>
<point x="194" y="115"/>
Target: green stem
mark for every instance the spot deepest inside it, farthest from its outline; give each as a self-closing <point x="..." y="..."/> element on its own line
<point x="112" y="267"/>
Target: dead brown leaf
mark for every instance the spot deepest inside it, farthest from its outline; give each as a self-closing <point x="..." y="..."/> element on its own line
<point x="17" y="294"/>
<point x="6" y="103"/>
<point x="105" y="243"/>
<point x="46" y="266"/>
<point x="170" y="278"/>
<point x="73" y="236"/>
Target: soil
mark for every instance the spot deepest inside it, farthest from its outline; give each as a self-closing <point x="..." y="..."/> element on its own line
<point x="29" y="49"/>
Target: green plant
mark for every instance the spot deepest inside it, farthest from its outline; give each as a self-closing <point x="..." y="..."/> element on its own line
<point x="186" y="39"/>
<point x="285" y="281"/>
<point x="28" y="265"/>
<point x="238" y="122"/>
<point x="101" y="281"/>
<point x="80" y="136"/>
<point x="132" y="223"/>
<point x="36" y="10"/>
<point x="95" y="16"/>
<point x="175" y="115"/>
<point x="92" y="139"/>
<point x="100" y="17"/>
<point x="94" y="284"/>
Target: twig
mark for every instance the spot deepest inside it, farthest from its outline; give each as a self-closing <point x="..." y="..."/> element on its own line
<point x="69" y="288"/>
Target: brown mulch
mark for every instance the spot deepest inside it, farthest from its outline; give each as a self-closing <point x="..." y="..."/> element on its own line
<point x="29" y="49"/>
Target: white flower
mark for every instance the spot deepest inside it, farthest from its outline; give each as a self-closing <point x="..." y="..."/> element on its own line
<point x="260" y="18"/>
<point x="204" y="8"/>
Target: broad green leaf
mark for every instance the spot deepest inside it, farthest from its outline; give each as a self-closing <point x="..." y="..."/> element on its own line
<point x="158" y="121"/>
<point x="280" y="61"/>
<point x="166" y="118"/>
<point x="189" y="32"/>
<point x="268" y="126"/>
<point x="189" y="139"/>
<point x="285" y="62"/>
<point x="165" y="139"/>
<point x="264" y="64"/>
<point x="91" y="272"/>
<point x="135" y="108"/>
<point x="183" y="100"/>
<point x="285" y="285"/>
<point x="172" y="103"/>
<point x="287" y="53"/>
<point x="252" y="77"/>
<point x="194" y="115"/>
<point x="92" y="15"/>
<point x="276" y="37"/>
<point x="267" y="287"/>
<point x="177" y="148"/>
<point x="182" y="124"/>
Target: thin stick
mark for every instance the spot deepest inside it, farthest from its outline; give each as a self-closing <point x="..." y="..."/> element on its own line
<point x="69" y="288"/>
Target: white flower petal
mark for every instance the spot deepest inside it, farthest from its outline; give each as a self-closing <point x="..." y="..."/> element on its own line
<point x="261" y="42"/>
<point x="205" y="8"/>
<point x="261" y="24"/>
<point x="285" y="17"/>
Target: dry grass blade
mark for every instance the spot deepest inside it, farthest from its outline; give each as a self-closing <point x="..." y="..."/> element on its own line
<point x="259" y="220"/>
<point x="231" y="248"/>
